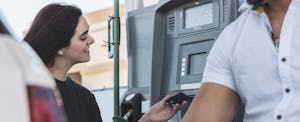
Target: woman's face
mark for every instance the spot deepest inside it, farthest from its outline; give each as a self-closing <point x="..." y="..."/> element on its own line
<point x="78" y="50"/>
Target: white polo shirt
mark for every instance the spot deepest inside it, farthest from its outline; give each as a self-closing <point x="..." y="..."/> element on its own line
<point x="245" y="60"/>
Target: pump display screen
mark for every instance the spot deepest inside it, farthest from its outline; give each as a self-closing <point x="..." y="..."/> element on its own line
<point x="199" y="15"/>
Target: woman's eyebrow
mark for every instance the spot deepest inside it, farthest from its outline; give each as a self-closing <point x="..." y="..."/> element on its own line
<point x="85" y="32"/>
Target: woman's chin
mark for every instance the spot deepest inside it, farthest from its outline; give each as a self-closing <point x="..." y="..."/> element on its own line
<point x="84" y="60"/>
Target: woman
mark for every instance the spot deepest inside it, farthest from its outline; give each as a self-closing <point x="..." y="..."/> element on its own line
<point x="59" y="35"/>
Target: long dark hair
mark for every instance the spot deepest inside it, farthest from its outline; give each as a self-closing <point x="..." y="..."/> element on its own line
<point x="52" y="29"/>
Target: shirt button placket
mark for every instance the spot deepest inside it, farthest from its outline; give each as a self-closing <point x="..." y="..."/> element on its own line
<point x="287" y="89"/>
<point x="285" y="86"/>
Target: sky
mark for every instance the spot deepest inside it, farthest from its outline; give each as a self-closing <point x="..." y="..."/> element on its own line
<point x="19" y="14"/>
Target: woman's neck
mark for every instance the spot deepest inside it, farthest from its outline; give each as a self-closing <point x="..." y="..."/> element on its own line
<point x="60" y="69"/>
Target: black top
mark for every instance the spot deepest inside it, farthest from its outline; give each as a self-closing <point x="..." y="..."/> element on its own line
<point x="80" y="104"/>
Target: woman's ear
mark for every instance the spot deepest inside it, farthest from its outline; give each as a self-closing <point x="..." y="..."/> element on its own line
<point x="60" y="52"/>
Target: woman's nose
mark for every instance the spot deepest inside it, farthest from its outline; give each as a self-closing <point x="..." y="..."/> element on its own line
<point x="91" y="41"/>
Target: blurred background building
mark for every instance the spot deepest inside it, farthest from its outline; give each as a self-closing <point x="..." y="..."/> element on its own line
<point x="98" y="72"/>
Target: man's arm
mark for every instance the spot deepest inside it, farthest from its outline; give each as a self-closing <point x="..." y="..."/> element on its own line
<point x="213" y="103"/>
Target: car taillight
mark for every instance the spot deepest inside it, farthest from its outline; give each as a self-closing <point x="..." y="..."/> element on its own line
<point x="45" y="105"/>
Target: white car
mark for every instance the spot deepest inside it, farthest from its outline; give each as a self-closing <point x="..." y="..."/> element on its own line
<point x="27" y="91"/>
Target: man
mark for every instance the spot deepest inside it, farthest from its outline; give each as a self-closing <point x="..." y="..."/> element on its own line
<point x="255" y="60"/>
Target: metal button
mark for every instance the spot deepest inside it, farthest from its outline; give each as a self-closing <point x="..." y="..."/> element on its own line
<point x="287" y="90"/>
<point x="279" y="117"/>
<point x="283" y="59"/>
